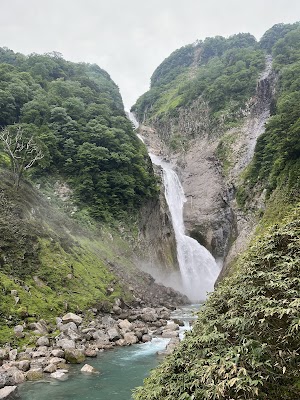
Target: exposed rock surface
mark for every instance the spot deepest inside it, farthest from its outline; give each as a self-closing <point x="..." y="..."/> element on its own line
<point x="9" y="393"/>
<point x="210" y="212"/>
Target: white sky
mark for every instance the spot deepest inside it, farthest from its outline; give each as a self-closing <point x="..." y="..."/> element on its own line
<point x="129" y="39"/>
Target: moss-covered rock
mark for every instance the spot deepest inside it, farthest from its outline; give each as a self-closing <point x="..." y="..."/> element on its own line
<point x="74" y="356"/>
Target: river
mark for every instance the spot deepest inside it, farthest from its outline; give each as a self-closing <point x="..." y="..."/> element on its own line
<point x="121" y="370"/>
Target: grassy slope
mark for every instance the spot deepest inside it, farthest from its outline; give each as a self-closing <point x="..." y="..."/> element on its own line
<point x="54" y="262"/>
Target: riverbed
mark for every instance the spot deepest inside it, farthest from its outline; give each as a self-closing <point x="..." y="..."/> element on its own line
<point x="121" y="370"/>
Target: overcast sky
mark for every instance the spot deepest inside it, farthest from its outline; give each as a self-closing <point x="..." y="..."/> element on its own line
<point x="129" y="39"/>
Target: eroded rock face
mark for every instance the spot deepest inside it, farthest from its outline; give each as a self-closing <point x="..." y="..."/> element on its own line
<point x="210" y="212"/>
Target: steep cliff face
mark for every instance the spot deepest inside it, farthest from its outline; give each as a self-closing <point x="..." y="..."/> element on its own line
<point x="209" y="164"/>
<point x="156" y="241"/>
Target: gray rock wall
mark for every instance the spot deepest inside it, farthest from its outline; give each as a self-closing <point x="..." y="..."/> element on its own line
<point x="211" y="213"/>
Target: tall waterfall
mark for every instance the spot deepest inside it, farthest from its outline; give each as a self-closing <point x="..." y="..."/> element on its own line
<point x="198" y="268"/>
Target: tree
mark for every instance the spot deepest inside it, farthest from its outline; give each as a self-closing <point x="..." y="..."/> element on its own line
<point x="23" y="150"/>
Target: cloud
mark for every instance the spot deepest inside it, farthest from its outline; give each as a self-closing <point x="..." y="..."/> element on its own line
<point x="130" y="38"/>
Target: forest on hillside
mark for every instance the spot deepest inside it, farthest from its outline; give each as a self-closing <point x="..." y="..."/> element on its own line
<point x="74" y="113"/>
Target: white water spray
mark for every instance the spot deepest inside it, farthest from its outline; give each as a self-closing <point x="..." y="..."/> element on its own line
<point x="198" y="268"/>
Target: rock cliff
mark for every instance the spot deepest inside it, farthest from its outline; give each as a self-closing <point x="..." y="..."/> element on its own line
<point x="209" y="161"/>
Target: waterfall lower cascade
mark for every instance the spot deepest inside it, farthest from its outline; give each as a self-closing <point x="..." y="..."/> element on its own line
<point x="198" y="267"/>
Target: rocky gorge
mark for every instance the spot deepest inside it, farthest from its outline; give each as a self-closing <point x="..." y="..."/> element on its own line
<point x="75" y="338"/>
<point x="209" y="161"/>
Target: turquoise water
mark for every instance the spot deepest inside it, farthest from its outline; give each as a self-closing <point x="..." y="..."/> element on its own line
<point x="122" y="369"/>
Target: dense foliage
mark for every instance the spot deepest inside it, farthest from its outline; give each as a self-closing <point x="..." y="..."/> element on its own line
<point x="75" y="111"/>
<point x="221" y="71"/>
<point x="277" y="153"/>
<point x="245" y="344"/>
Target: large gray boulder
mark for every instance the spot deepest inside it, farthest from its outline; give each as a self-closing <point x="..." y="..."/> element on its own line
<point x="4" y="379"/>
<point x="114" y="334"/>
<point x="126" y="326"/>
<point x="15" y="376"/>
<point x="108" y="321"/>
<point x="18" y="330"/>
<point x="43" y="341"/>
<point x="70" y="317"/>
<point x="130" y="338"/>
<point x="66" y="344"/>
<point x="69" y="325"/>
<point x="149" y="315"/>
<point x="24" y="365"/>
<point x="88" y="369"/>
<point x="9" y="393"/>
<point x="60" y="375"/>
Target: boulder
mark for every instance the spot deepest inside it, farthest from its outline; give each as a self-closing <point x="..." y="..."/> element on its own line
<point x="172" y="326"/>
<point x="3" y="379"/>
<point x="40" y="327"/>
<point x="13" y="355"/>
<point x="50" y="368"/>
<point x="15" y="376"/>
<point x="114" y="334"/>
<point x="146" y="338"/>
<point x="18" y="330"/>
<point x="70" y="317"/>
<point x="121" y="342"/>
<point x="149" y="315"/>
<point x="57" y="353"/>
<point x="90" y="352"/>
<point x="126" y="326"/>
<point x="34" y="374"/>
<point x="43" y="341"/>
<point x="88" y="369"/>
<point x="56" y="360"/>
<point x="66" y="344"/>
<point x="99" y="334"/>
<point x="9" y="393"/>
<point x="74" y="356"/>
<point x="73" y="335"/>
<point x="64" y="327"/>
<point x="59" y="375"/>
<point x="130" y="338"/>
<point x="24" y="365"/>
<point x="108" y="321"/>
<point x="4" y="354"/>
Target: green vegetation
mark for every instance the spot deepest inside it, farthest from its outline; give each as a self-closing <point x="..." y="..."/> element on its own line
<point x="276" y="161"/>
<point x="76" y="113"/>
<point x="245" y="343"/>
<point x="54" y="263"/>
<point x="221" y="71"/>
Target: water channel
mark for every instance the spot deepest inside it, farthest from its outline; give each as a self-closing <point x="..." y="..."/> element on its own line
<point x="121" y="370"/>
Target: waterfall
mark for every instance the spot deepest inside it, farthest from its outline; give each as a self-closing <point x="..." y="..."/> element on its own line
<point x="198" y="268"/>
